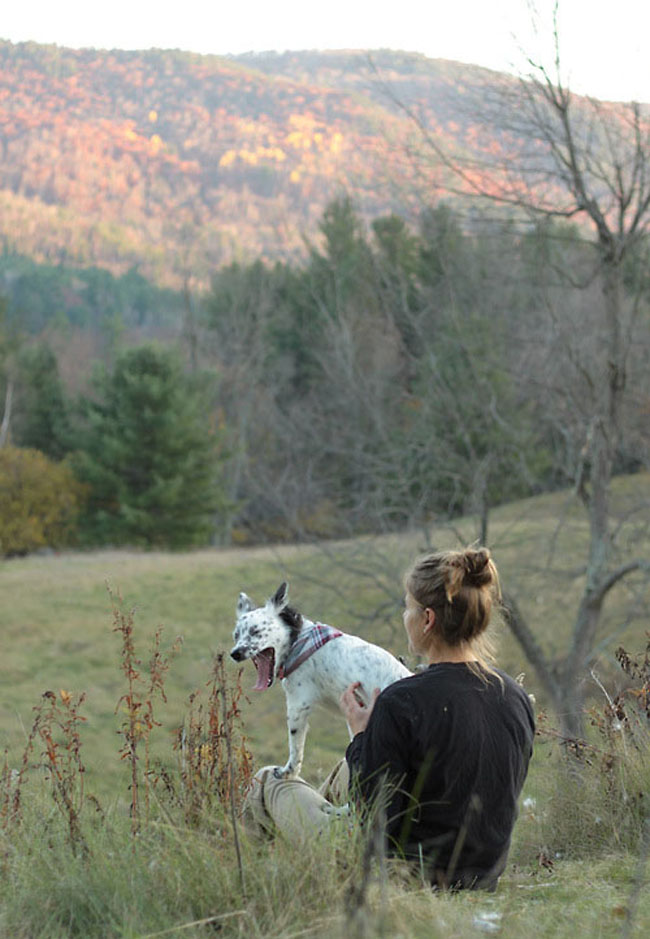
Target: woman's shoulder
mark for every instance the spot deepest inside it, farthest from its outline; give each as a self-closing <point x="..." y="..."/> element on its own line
<point x="449" y="677"/>
<point x="425" y="681"/>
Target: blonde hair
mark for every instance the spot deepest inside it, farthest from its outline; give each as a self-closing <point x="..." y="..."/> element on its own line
<point x="461" y="587"/>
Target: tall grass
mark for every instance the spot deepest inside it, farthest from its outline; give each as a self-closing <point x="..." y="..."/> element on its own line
<point x="176" y="880"/>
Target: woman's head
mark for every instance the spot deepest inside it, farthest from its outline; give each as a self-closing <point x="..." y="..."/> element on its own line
<point x="460" y="587"/>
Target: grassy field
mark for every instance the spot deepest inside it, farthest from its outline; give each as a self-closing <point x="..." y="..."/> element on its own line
<point x="56" y="633"/>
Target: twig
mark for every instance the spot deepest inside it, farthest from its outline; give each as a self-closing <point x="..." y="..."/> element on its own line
<point x="195" y="922"/>
<point x="231" y="769"/>
<point x="612" y="706"/>
<point x="537" y="886"/>
<point x="310" y="929"/>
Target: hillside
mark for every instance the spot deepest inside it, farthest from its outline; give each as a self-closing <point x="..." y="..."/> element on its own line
<point x="577" y="861"/>
<point x="55" y="612"/>
<point x="179" y="163"/>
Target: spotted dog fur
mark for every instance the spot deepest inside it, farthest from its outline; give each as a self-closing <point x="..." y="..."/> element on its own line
<point x="265" y="634"/>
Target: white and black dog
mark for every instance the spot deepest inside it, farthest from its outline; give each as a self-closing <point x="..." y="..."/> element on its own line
<point x="315" y="663"/>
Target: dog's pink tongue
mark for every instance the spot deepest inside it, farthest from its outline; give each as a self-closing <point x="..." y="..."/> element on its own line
<point x="263" y="663"/>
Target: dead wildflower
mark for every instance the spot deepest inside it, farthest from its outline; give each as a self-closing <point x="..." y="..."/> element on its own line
<point x="59" y="730"/>
<point x="619" y="721"/>
<point x="132" y="727"/>
<point x="544" y="860"/>
<point x="137" y="703"/>
<point x="215" y="762"/>
<point x="576" y="747"/>
<point x="5" y="793"/>
<point x="637" y="668"/>
<point x="17" y="778"/>
<point x="159" y="664"/>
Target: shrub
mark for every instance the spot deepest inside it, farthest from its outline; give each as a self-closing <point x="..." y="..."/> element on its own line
<point x="39" y="501"/>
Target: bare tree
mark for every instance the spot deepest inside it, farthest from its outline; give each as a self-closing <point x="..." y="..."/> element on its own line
<point x="565" y="157"/>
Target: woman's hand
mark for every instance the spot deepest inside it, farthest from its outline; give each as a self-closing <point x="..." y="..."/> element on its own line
<point x="356" y="713"/>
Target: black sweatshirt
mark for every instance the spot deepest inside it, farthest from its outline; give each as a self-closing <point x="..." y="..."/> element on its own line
<point x="457" y="748"/>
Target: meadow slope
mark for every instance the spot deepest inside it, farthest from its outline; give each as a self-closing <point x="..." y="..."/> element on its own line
<point x="56" y="629"/>
<point x="56" y="624"/>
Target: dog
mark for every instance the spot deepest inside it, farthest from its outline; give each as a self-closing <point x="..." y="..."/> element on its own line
<point x="314" y="662"/>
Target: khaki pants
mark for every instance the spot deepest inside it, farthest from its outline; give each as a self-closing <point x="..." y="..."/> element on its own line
<point x="291" y="806"/>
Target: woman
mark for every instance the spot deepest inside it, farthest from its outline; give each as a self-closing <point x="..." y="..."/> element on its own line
<point x="445" y="750"/>
<point x="453" y="742"/>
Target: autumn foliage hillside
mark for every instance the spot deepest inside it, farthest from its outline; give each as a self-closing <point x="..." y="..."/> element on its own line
<point x="179" y="163"/>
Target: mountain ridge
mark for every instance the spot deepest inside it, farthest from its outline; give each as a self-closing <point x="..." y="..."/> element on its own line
<point x="176" y="163"/>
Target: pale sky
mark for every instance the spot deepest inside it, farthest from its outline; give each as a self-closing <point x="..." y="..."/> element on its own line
<point x="604" y="43"/>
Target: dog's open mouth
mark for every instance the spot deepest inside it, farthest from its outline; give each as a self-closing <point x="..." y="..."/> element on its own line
<point x="264" y="662"/>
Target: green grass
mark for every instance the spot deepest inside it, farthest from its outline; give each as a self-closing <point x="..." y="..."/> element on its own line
<point x="56" y="632"/>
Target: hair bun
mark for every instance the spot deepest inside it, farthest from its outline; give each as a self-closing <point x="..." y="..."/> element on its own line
<point x="478" y="567"/>
<point x="469" y="568"/>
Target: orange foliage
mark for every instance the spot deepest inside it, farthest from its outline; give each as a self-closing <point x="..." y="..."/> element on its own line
<point x="82" y="175"/>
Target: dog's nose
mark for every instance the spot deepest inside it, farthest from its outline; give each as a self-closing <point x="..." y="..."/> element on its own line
<point x="238" y="654"/>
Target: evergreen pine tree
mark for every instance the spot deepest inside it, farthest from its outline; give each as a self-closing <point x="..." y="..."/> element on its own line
<point x="150" y="458"/>
<point x="42" y="419"/>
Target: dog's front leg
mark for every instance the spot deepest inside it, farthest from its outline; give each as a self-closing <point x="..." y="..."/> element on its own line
<point x="298" y="725"/>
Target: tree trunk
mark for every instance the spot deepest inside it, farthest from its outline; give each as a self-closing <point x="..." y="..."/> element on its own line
<point x="6" y="419"/>
<point x="524" y="635"/>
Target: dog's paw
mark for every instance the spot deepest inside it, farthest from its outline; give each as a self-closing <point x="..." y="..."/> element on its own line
<point x="337" y="810"/>
<point x="285" y="772"/>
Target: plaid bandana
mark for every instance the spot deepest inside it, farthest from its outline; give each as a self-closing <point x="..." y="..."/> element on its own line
<point x="308" y="642"/>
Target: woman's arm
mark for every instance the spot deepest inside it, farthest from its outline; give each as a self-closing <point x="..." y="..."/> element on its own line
<point x="356" y="713"/>
<point x="379" y="758"/>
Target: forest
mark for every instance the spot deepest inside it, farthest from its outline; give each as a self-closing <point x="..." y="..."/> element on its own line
<point x="396" y="376"/>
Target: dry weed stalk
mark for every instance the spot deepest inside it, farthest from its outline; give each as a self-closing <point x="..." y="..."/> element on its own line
<point x="137" y="702"/>
<point x="5" y="809"/>
<point x="215" y="761"/>
<point x="622" y="721"/>
<point x="611" y="765"/>
<point x="5" y="792"/>
<point x="56" y="723"/>
<point x="16" y="779"/>
<point x="159" y="664"/>
<point x="637" y="668"/>
<point x="12" y="785"/>
<point x="58" y="728"/>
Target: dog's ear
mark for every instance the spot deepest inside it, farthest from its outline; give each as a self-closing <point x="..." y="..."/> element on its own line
<point x="244" y="604"/>
<point x="281" y="596"/>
